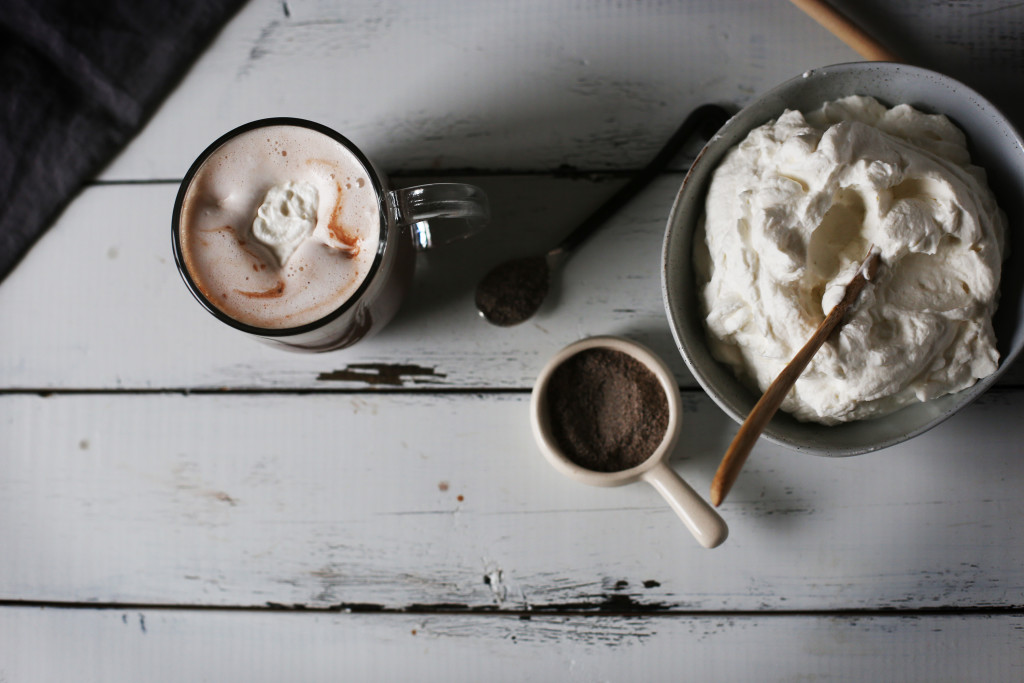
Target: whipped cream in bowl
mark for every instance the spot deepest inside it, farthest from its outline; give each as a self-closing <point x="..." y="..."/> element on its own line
<point x="789" y="215"/>
<point x="781" y="207"/>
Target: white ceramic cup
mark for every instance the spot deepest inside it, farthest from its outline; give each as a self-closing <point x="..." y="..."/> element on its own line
<point x="699" y="517"/>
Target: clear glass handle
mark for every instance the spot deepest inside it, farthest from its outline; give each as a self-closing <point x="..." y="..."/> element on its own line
<point x="441" y="213"/>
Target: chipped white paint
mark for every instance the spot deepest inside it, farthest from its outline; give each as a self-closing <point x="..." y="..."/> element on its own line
<point x="94" y="646"/>
<point x="140" y="313"/>
<point x="437" y="501"/>
<point x="532" y="84"/>
<point x="399" y="500"/>
<point x="529" y="85"/>
<point x="128" y="322"/>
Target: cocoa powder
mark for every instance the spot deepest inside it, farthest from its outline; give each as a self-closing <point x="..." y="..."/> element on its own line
<point x="514" y="290"/>
<point x="608" y="412"/>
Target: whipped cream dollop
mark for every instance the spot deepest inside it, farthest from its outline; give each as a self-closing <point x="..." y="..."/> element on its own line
<point x="286" y="218"/>
<point x="791" y="213"/>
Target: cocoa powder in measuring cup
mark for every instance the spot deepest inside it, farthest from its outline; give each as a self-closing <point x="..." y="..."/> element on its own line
<point x="608" y="412"/>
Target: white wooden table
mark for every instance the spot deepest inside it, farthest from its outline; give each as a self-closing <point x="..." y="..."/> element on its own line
<point x="178" y="503"/>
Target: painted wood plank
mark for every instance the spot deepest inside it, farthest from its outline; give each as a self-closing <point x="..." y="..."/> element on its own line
<point x="129" y="322"/>
<point x="98" y="303"/>
<point x="102" y="645"/>
<point x="524" y="85"/>
<point x="394" y="501"/>
<point x="440" y="500"/>
<point x="534" y="84"/>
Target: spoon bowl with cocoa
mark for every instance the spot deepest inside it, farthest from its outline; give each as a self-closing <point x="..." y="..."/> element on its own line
<point x="514" y="290"/>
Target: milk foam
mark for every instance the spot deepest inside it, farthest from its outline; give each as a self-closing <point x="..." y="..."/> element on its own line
<point x="243" y="277"/>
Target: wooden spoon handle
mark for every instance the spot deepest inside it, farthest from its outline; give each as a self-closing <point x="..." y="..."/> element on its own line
<point x="770" y="401"/>
<point x="846" y="31"/>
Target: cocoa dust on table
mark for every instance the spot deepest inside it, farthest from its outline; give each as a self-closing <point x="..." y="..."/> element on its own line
<point x="607" y="410"/>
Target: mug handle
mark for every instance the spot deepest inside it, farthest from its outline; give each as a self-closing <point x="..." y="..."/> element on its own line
<point x="699" y="517"/>
<point x="440" y="213"/>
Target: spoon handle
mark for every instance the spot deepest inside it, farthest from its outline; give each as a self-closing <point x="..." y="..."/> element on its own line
<point x="848" y="32"/>
<point x="705" y="120"/>
<point x="770" y="401"/>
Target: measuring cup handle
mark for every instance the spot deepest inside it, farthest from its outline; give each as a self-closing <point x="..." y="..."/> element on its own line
<point x="440" y="213"/>
<point x="700" y="518"/>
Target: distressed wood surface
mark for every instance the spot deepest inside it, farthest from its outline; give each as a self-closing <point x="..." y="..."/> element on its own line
<point x="95" y="646"/>
<point x="532" y="84"/>
<point x="180" y="503"/>
<point x="135" y="326"/>
<point x="524" y="85"/>
<point x="150" y="333"/>
<point x="408" y="500"/>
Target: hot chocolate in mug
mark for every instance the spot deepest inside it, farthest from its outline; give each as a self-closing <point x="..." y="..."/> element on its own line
<point x="284" y="230"/>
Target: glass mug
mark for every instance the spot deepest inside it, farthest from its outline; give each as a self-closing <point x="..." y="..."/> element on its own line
<point x="346" y="275"/>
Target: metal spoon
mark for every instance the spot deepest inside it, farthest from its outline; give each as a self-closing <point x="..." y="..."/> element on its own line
<point x="514" y="290"/>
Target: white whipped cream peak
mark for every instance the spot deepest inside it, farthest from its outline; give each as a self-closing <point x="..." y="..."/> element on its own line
<point x="790" y="215"/>
<point x="286" y="218"/>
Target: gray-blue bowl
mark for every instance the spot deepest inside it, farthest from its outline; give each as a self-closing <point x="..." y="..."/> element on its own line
<point x="994" y="145"/>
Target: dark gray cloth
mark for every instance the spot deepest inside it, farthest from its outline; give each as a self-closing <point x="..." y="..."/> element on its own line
<point x="77" y="80"/>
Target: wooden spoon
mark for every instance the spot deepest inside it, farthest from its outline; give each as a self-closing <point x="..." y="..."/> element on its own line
<point x="765" y="408"/>
<point x="846" y="31"/>
<point x="868" y="48"/>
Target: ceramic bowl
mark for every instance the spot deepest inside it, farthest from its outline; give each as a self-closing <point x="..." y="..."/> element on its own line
<point x="994" y="145"/>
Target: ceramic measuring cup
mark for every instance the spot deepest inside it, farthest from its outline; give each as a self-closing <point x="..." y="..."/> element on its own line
<point x="700" y="518"/>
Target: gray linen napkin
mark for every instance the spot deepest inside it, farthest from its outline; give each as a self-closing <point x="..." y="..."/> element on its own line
<point x="77" y="80"/>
